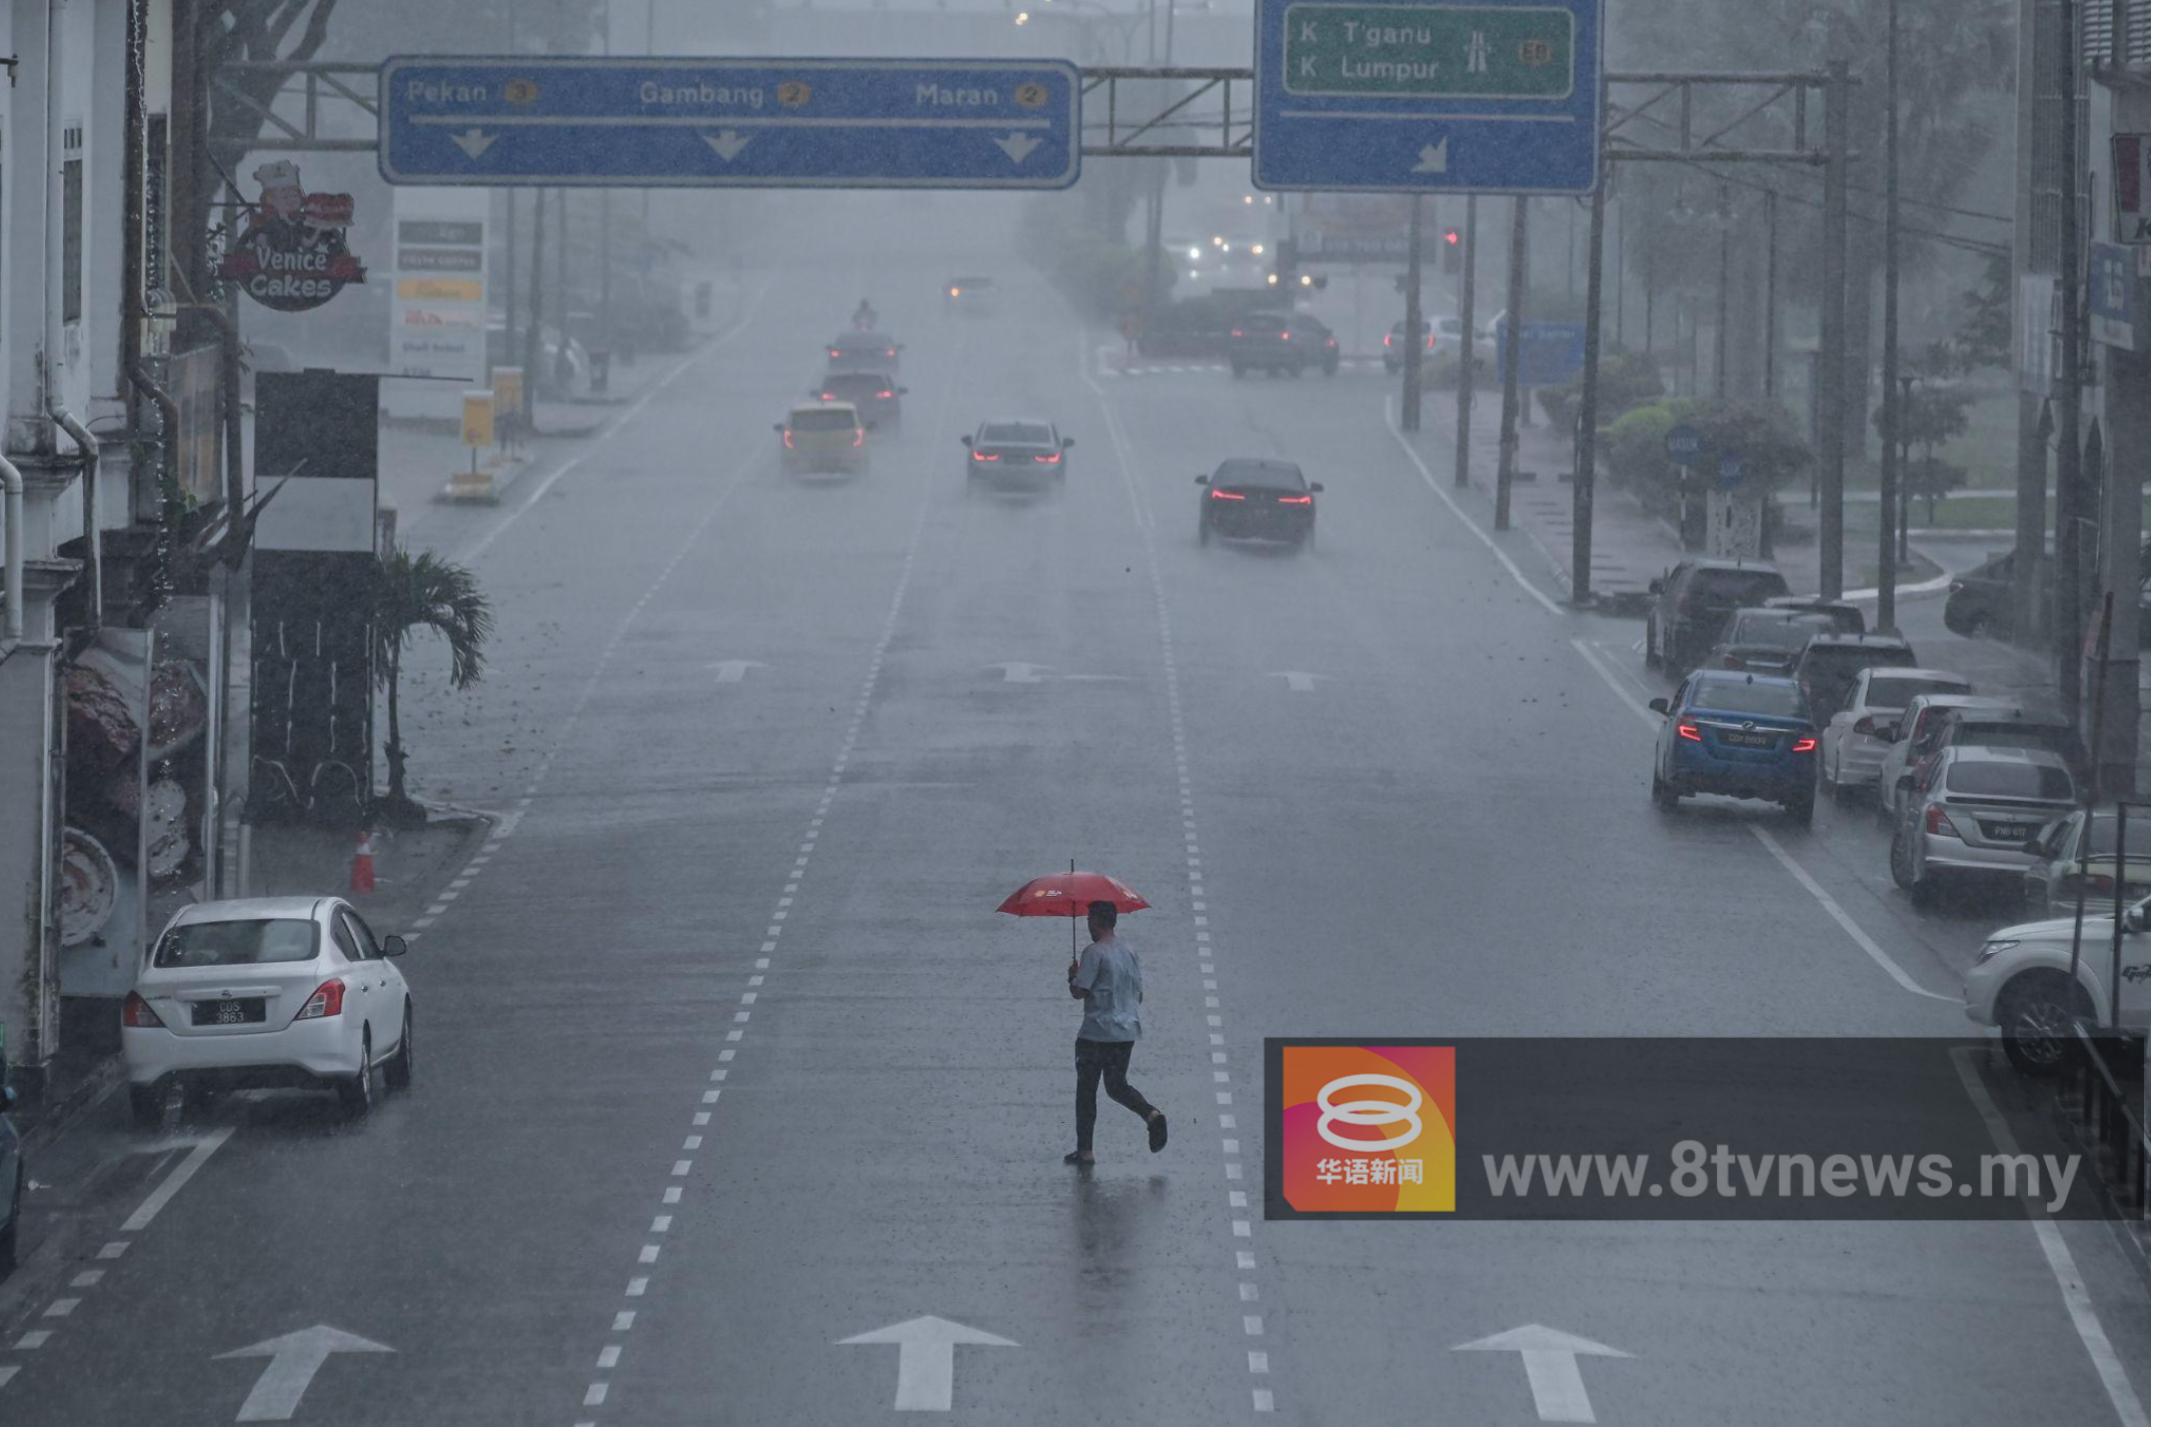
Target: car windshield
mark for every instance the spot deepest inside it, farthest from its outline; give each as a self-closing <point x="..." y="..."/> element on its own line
<point x="1740" y="697"/>
<point x="816" y="420"/>
<point x="2015" y="732"/>
<point x="236" y="942"/>
<point x="1018" y="434"/>
<point x="1846" y="661"/>
<point x="1894" y="692"/>
<point x="1260" y="475"/>
<point x="2008" y="780"/>
<point x="1732" y="587"/>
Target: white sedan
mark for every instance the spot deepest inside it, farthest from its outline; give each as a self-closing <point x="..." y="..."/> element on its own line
<point x="267" y="993"/>
<point x="1857" y="735"/>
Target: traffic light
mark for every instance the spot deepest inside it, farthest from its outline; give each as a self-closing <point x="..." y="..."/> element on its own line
<point x="1451" y="251"/>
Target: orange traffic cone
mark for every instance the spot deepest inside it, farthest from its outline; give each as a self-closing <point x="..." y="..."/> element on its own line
<point x="363" y="865"/>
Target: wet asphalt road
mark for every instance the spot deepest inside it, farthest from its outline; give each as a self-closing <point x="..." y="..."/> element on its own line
<point x="724" y="1057"/>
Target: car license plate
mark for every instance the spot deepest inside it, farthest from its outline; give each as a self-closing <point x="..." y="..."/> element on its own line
<point x="1752" y="742"/>
<point x="228" y="1012"/>
<point x="2018" y="833"/>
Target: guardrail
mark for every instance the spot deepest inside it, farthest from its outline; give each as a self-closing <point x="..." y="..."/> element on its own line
<point x="2105" y="1085"/>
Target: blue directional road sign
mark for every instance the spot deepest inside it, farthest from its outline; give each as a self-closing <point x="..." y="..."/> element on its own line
<point x="636" y="121"/>
<point x="1731" y="472"/>
<point x="1465" y="96"/>
<point x="1683" y="444"/>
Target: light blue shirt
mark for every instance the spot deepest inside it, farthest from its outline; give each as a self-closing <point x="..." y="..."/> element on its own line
<point x="1110" y="973"/>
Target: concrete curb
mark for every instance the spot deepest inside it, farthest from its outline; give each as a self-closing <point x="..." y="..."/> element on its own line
<point x="92" y="1086"/>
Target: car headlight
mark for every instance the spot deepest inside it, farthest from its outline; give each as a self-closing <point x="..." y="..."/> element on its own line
<point x="1993" y="948"/>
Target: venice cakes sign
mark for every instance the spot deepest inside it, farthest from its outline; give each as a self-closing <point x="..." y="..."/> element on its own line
<point x="291" y="252"/>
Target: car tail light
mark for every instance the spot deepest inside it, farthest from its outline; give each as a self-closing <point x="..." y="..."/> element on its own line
<point x="1293" y="499"/>
<point x="827" y="395"/>
<point x="1689" y="732"/>
<point x="787" y="438"/>
<point x="1331" y="342"/>
<point x="1804" y="746"/>
<point x="985" y="456"/>
<point x="1388" y="341"/>
<point x="1050" y="459"/>
<point x="835" y="354"/>
<point x="1285" y="334"/>
<point x="1237" y="334"/>
<point x="328" y="999"/>
<point x="884" y="394"/>
<point x="1226" y="495"/>
<point x="2099" y="883"/>
<point x="892" y="354"/>
<point x="1937" y="820"/>
<point x="954" y="292"/>
<point x="858" y="437"/>
<point x="1432" y="342"/>
<point x="136" y="1014"/>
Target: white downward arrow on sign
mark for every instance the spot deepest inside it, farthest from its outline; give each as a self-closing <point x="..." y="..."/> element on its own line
<point x="730" y="672"/>
<point x="1432" y="160"/>
<point x="1017" y="146"/>
<point x="926" y="1357"/>
<point x="294" y="1359"/>
<point x="1550" y="1358"/>
<point x="474" y="143"/>
<point x="1021" y="672"/>
<point x="1299" y="679"/>
<point x="728" y="143"/>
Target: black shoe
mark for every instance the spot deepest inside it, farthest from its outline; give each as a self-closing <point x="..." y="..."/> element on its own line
<point x="1074" y="1157"/>
<point x="1158" y="1130"/>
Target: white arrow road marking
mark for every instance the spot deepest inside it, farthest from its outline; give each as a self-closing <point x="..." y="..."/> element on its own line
<point x="1550" y="1358"/>
<point x="1299" y="679"/>
<point x="199" y="1152"/>
<point x="1017" y="146"/>
<point x="474" y="142"/>
<point x="294" y="1359"/>
<point x="728" y="143"/>
<point x="1021" y="672"/>
<point x="730" y="672"/>
<point x="926" y="1357"/>
<point x="1432" y="160"/>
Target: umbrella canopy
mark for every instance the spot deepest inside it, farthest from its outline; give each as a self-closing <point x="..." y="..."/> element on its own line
<point x="1070" y="893"/>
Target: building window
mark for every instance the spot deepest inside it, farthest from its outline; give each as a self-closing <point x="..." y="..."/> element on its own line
<point x="71" y="256"/>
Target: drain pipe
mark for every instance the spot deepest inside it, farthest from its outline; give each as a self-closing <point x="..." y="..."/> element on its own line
<point x="93" y="545"/>
<point x="11" y="483"/>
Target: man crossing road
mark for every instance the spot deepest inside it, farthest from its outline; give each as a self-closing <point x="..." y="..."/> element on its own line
<point x="1106" y="978"/>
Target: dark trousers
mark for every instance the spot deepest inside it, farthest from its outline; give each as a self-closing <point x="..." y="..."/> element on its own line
<point x="1103" y="1060"/>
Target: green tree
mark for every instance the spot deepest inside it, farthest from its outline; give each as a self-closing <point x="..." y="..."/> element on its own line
<point x="1932" y="416"/>
<point x="417" y="593"/>
<point x="1983" y="340"/>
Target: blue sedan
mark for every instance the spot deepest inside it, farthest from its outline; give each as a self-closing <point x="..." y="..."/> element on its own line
<point x="1728" y="732"/>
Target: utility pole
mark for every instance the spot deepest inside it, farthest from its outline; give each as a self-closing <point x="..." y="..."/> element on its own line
<point x="606" y="318"/>
<point x="1162" y="179"/>
<point x="1413" y="355"/>
<point x="1886" y="527"/>
<point x="1770" y="297"/>
<point x="1466" y="355"/>
<point x="1586" y="421"/>
<point x="2070" y="382"/>
<point x="1830" y="389"/>
<point x="537" y="296"/>
<point x="1722" y="372"/>
<point x="1511" y="391"/>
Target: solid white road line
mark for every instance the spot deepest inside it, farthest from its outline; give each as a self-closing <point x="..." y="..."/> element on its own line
<point x="2121" y="1390"/>
<point x="1387" y="418"/>
<point x="158" y="1199"/>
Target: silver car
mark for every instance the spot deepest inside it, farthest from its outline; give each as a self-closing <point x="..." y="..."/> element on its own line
<point x="1856" y="739"/>
<point x="1972" y="812"/>
<point x="2021" y="983"/>
<point x="1911" y="737"/>
<point x="2095" y="854"/>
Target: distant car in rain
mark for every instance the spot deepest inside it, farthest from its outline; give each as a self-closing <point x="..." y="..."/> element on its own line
<point x="2022" y="984"/>
<point x="281" y="992"/>
<point x="825" y="438"/>
<point x="1828" y="663"/>
<point x="1856" y="739"/>
<point x="2103" y="860"/>
<point x="861" y="350"/>
<point x="1282" y="344"/>
<point x="1258" y="500"/>
<point x="1735" y="734"/>
<point x="1983" y="600"/>
<point x="971" y="294"/>
<point x="874" y="395"/>
<point x="1764" y="640"/>
<point x="1690" y="603"/>
<point x="1015" y="453"/>
<point x="1973" y="809"/>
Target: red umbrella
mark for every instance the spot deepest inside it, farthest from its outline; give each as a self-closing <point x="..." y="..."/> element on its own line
<point x="1070" y="893"/>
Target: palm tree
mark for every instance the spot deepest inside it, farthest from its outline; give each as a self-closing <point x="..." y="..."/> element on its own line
<point x="425" y="591"/>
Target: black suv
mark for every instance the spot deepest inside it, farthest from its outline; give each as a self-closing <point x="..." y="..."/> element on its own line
<point x="1828" y="663"/>
<point x="1282" y="344"/>
<point x="1690" y="603"/>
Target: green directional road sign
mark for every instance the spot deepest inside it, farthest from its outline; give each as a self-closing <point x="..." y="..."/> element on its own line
<point x="1501" y="52"/>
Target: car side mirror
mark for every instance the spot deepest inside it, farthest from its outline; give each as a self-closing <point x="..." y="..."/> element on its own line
<point x="1316" y="487"/>
<point x="814" y="393"/>
<point x="394" y="946"/>
<point x="1865" y="725"/>
<point x="1660" y="704"/>
<point x="7" y="1098"/>
<point x="899" y="390"/>
<point x="1657" y="587"/>
<point x="967" y="442"/>
<point x="780" y="426"/>
<point x="1199" y="480"/>
<point x="2137" y="920"/>
<point x="1068" y="442"/>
